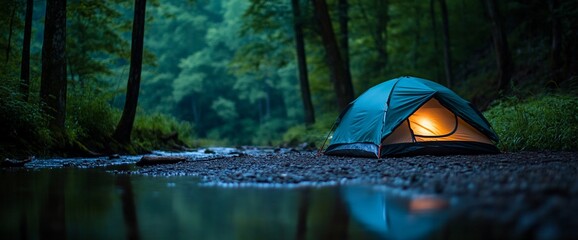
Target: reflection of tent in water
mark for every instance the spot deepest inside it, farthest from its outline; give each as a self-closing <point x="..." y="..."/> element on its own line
<point x="409" y="115"/>
<point x="395" y="218"/>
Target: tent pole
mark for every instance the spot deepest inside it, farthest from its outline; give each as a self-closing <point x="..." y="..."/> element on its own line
<point x="324" y="142"/>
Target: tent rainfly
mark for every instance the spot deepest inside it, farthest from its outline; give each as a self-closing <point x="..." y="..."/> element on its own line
<point x="411" y="116"/>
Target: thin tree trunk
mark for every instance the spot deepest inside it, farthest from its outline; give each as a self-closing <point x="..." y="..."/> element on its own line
<point x="53" y="78"/>
<point x="435" y="35"/>
<point x="556" y="48"/>
<point x="417" y="32"/>
<point x="342" y="81"/>
<point x="124" y="128"/>
<point x="381" y="31"/>
<point x="25" y="64"/>
<point x="302" y="64"/>
<point x="343" y="9"/>
<point x="447" y="50"/>
<point x="503" y="56"/>
<point x="12" y="15"/>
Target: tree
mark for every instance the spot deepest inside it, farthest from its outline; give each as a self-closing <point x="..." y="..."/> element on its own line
<point x="556" y="47"/>
<point x="53" y="78"/>
<point x="447" y="50"/>
<point x="25" y="63"/>
<point x="343" y="9"/>
<point x="341" y="80"/>
<point x="435" y="34"/>
<point x="302" y="64"/>
<point x="12" y="15"/>
<point x="503" y="56"/>
<point x="92" y="28"/>
<point x="124" y="128"/>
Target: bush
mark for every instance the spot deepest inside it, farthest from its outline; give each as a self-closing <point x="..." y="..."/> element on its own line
<point x="90" y="120"/>
<point x="314" y="135"/>
<point x="159" y="131"/>
<point x="547" y="122"/>
<point x="22" y="126"/>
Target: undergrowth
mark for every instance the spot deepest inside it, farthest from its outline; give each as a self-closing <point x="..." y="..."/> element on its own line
<point x="90" y="122"/>
<point x="21" y="126"/>
<point x="313" y="136"/>
<point x="546" y="122"/>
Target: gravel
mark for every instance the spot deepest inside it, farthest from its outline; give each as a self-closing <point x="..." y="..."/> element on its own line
<point x="528" y="195"/>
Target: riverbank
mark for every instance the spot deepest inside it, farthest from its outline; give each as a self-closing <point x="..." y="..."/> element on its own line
<point x="509" y="195"/>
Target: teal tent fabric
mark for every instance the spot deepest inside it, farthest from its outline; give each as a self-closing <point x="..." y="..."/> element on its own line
<point x="375" y="114"/>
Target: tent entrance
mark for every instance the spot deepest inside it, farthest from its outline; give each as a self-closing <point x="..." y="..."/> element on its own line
<point x="434" y="122"/>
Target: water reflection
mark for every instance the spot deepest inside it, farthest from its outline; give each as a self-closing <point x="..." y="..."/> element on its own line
<point x="94" y="204"/>
<point x="396" y="217"/>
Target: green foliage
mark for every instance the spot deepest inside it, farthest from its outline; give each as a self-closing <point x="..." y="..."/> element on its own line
<point x="547" y="122"/>
<point x="159" y="131"/>
<point x="90" y="119"/>
<point x="314" y="135"/>
<point x="22" y="125"/>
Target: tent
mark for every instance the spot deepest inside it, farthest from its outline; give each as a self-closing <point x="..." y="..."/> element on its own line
<point x="410" y="116"/>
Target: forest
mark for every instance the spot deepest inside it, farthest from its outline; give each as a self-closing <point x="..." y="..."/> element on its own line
<point x="103" y="76"/>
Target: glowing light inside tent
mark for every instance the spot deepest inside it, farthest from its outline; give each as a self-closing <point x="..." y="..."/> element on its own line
<point x="423" y="125"/>
<point x="432" y="119"/>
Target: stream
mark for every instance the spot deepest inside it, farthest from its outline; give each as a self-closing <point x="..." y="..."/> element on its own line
<point x="96" y="198"/>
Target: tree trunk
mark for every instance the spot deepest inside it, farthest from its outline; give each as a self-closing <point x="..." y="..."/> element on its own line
<point x="447" y="50"/>
<point x="124" y="127"/>
<point x="341" y="80"/>
<point x="556" y="48"/>
<point x="379" y="32"/>
<point x="10" y="32"/>
<point x="302" y="64"/>
<point x="380" y="35"/>
<point x="53" y="78"/>
<point x="503" y="57"/>
<point x="343" y="9"/>
<point x="435" y="35"/>
<point x="25" y="64"/>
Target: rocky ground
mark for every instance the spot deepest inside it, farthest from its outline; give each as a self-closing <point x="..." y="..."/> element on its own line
<point x="552" y="173"/>
<point x="520" y="195"/>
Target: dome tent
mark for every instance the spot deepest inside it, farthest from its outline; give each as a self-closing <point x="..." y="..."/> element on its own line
<point x="407" y="116"/>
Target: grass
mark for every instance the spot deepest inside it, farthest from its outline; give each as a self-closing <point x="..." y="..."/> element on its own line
<point x="314" y="135"/>
<point x="545" y="122"/>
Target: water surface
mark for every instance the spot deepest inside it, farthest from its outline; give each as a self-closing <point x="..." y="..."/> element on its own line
<point x="97" y="204"/>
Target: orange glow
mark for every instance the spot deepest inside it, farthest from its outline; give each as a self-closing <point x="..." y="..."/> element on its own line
<point x="423" y="204"/>
<point x="432" y="119"/>
<point x="434" y="122"/>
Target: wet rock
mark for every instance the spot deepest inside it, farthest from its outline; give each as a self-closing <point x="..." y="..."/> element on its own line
<point x="154" y="160"/>
<point x="15" y="163"/>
